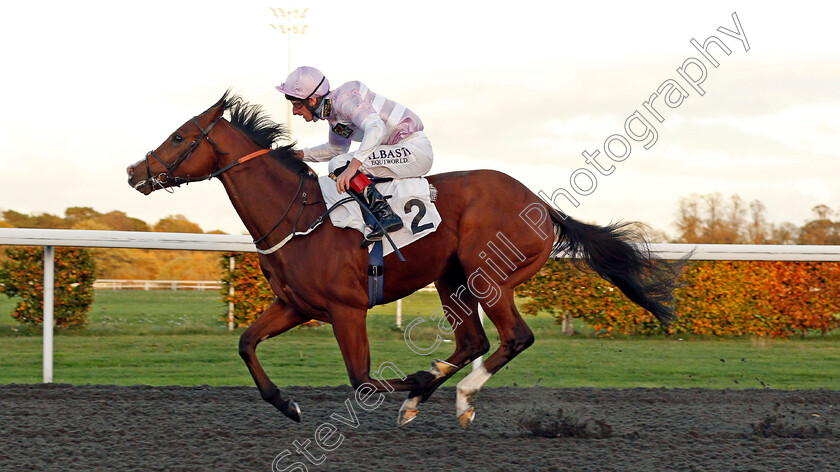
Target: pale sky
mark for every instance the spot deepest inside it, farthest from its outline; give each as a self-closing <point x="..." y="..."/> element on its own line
<point x="524" y="88"/>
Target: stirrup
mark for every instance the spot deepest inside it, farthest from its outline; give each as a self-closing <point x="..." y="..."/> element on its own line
<point x="374" y="236"/>
<point x="377" y="231"/>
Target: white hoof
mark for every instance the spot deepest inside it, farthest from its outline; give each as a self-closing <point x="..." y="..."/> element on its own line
<point x="466" y="418"/>
<point x="466" y="390"/>
<point x="408" y="410"/>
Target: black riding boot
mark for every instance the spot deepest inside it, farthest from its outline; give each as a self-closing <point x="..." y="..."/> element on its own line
<point x="377" y="204"/>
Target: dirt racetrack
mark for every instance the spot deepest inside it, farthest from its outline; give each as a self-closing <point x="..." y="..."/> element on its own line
<point x="108" y="428"/>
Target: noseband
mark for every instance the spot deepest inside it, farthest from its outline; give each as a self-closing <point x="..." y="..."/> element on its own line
<point x="175" y="181"/>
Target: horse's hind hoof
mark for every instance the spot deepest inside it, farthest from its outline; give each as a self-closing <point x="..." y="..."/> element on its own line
<point x="441" y="368"/>
<point x="466" y="418"/>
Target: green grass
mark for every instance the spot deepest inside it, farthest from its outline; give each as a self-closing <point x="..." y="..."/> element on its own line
<point x="169" y="338"/>
<point x="151" y="312"/>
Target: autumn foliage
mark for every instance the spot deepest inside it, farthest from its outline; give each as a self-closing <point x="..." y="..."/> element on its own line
<point x="723" y="298"/>
<point x="21" y="269"/>
<point x="251" y="292"/>
<point x="22" y="276"/>
<point x="765" y="298"/>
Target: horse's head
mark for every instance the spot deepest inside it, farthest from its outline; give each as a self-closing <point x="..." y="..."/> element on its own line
<point x="187" y="155"/>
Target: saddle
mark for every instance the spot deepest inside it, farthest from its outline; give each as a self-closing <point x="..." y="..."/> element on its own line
<point x="411" y="199"/>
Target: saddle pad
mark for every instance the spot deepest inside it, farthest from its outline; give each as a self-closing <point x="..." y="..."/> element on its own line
<point x="410" y="199"/>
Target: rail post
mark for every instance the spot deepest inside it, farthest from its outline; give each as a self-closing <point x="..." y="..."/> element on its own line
<point x="230" y="292"/>
<point x="49" y="304"/>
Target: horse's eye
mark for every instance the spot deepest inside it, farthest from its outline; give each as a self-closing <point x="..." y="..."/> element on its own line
<point x="177" y="138"/>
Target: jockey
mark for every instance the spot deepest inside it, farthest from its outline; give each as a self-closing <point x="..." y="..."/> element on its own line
<point x="392" y="140"/>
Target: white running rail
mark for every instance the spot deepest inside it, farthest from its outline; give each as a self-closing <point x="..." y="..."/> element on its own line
<point x="51" y="238"/>
<point x="129" y="284"/>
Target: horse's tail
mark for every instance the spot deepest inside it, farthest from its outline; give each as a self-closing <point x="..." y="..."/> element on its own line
<point x="610" y="251"/>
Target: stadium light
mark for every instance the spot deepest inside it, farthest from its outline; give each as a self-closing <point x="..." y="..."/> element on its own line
<point x="289" y="29"/>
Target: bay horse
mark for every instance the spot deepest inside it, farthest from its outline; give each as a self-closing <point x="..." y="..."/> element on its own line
<point x="323" y="275"/>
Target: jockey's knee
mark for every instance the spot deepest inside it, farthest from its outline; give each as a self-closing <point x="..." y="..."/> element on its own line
<point x="336" y="164"/>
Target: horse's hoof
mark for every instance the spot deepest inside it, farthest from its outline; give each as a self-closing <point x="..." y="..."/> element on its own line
<point x="466" y="418"/>
<point x="441" y="368"/>
<point x="408" y="410"/>
<point x="293" y="411"/>
<point x="406" y="415"/>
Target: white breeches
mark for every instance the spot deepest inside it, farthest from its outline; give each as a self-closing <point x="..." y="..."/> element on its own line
<point x="411" y="157"/>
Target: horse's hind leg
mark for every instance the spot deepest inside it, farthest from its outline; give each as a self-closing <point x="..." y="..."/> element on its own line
<point x="276" y="319"/>
<point x="515" y="337"/>
<point x="350" y="330"/>
<point x="461" y="308"/>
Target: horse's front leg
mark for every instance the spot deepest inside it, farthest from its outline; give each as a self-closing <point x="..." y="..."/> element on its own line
<point x="277" y="319"/>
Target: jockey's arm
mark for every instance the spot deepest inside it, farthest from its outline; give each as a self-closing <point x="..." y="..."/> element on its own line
<point x="333" y="147"/>
<point x="374" y="133"/>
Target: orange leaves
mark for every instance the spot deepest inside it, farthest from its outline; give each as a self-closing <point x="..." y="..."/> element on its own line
<point x="764" y="298"/>
<point x="22" y="275"/>
<point x="808" y="292"/>
<point x="560" y="288"/>
<point x="722" y="298"/>
<point x="252" y="293"/>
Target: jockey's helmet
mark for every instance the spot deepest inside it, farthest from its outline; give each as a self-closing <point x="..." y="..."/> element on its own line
<point x="305" y="82"/>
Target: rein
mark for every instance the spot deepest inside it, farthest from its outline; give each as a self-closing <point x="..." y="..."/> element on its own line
<point x="294" y="233"/>
<point x="285" y="212"/>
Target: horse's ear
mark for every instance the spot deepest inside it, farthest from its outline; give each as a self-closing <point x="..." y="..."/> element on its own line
<point x="219" y="107"/>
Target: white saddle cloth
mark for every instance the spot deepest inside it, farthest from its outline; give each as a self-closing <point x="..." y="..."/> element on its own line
<point x="410" y="199"/>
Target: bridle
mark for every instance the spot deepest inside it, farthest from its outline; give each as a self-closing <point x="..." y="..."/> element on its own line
<point x="175" y="181"/>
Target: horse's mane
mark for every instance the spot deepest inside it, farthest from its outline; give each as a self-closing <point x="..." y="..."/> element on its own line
<point x="252" y="120"/>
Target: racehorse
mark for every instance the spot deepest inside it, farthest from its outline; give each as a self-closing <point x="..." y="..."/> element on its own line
<point x="494" y="234"/>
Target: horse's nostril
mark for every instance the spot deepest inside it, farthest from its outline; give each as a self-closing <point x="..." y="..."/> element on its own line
<point x="130" y="171"/>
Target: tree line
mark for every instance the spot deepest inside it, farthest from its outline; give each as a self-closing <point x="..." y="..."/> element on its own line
<point x="116" y="263"/>
<point x="713" y="219"/>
